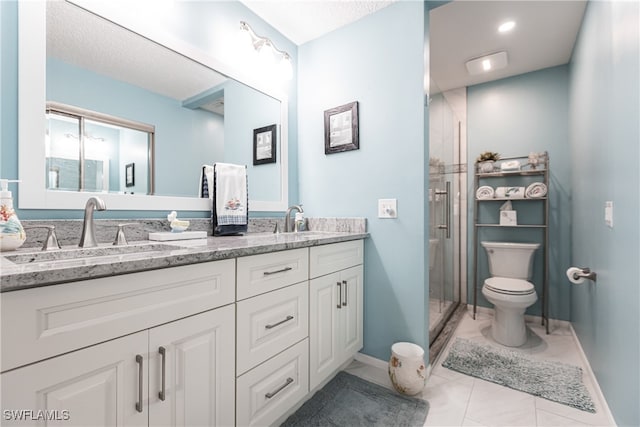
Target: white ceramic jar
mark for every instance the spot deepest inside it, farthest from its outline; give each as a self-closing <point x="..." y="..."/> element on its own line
<point x="406" y="368"/>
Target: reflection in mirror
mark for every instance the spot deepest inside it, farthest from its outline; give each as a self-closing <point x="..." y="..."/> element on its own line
<point x="197" y="115"/>
<point x="88" y="151"/>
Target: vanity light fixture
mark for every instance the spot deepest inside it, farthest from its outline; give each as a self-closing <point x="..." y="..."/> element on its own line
<point x="268" y="51"/>
<point x="486" y="63"/>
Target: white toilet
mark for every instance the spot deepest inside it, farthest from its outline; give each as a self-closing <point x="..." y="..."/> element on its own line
<point x="509" y="290"/>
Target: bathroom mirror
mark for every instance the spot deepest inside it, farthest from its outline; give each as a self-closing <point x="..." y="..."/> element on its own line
<point x="206" y="118"/>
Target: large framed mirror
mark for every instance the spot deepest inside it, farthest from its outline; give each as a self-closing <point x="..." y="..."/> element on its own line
<point x="82" y="56"/>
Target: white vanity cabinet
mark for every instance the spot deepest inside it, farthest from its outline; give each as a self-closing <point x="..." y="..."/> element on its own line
<point x="232" y="342"/>
<point x="335" y="309"/>
<point x="97" y="386"/>
<point x="100" y="342"/>
<point x="129" y="382"/>
<point x="272" y="335"/>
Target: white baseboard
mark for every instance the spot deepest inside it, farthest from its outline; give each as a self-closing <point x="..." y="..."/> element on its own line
<point x="585" y="362"/>
<point x="371" y="361"/>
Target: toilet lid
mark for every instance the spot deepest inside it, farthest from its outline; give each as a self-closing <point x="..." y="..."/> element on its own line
<point x="504" y="285"/>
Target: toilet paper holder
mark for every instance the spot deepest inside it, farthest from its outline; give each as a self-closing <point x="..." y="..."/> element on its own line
<point x="585" y="273"/>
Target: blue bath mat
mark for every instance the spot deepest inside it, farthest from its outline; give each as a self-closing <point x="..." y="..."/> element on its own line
<point x="348" y="400"/>
<point x="553" y="381"/>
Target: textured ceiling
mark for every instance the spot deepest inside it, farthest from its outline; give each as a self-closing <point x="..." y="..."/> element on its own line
<point x="302" y="21"/>
<point x="86" y="40"/>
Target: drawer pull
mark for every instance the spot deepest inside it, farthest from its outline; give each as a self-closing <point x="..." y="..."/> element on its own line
<point x="279" y="323"/>
<point x="273" y="393"/>
<point x="339" y="294"/>
<point x="268" y="273"/>
<point x="346" y="292"/>
<point x="139" y="360"/>
<point x="163" y="353"/>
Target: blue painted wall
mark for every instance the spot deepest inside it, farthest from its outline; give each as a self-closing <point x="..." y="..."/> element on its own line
<point x="515" y="116"/>
<point x="377" y="61"/>
<point x="197" y="136"/>
<point x="210" y="26"/>
<point x="605" y="136"/>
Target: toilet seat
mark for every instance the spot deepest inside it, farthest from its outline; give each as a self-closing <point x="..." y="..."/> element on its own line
<point x="509" y="286"/>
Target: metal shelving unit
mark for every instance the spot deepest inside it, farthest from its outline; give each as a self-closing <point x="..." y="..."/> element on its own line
<point x="541" y="170"/>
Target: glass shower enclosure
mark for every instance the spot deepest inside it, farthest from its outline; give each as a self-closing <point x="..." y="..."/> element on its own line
<point x="447" y="185"/>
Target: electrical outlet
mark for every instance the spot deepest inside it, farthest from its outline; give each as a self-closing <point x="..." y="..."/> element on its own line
<point x="387" y="208"/>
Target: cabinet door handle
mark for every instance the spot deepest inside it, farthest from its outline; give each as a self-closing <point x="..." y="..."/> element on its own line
<point x="279" y="389"/>
<point x="140" y="362"/>
<point x="273" y="325"/>
<point x="339" y="294"/>
<point x="346" y="292"/>
<point x="163" y="354"/>
<point x="267" y="273"/>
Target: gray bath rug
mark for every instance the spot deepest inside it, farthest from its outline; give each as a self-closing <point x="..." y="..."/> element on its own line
<point x="554" y="381"/>
<point x="351" y="401"/>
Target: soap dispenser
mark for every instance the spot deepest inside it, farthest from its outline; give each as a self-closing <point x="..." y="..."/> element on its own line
<point x="12" y="235"/>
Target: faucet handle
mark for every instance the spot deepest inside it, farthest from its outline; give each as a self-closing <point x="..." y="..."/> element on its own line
<point x="120" y="237"/>
<point x="51" y="242"/>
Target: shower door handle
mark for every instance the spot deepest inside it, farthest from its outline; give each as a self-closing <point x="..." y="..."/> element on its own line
<point x="446" y="209"/>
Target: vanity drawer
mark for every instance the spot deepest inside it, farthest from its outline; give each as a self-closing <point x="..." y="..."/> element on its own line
<point x="258" y="274"/>
<point x="55" y="319"/>
<point x="267" y="392"/>
<point x="269" y="323"/>
<point x="327" y="259"/>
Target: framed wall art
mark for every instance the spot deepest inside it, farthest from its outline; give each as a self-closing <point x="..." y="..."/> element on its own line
<point x="341" y="129"/>
<point x="264" y="145"/>
<point x="130" y="174"/>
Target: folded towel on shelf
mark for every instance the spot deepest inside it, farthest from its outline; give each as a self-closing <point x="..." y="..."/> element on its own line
<point x="510" y="192"/>
<point x="485" y="192"/>
<point x="230" y="211"/>
<point x="206" y="182"/>
<point x="513" y="165"/>
<point x="536" y="190"/>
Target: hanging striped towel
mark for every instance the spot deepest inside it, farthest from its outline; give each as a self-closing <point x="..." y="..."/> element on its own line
<point x="206" y="182"/>
<point x="484" y="192"/>
<point x="230" y="211"/>
<point x="536" y="190"/>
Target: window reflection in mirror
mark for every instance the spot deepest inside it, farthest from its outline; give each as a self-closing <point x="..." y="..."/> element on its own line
<point x="88" y="151"/>
<point x="200" y="116"/>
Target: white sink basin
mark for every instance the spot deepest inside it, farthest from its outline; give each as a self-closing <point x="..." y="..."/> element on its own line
<point x="83" y="253"/>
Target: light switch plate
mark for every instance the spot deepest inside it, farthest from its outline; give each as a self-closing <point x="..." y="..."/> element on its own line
<point x="387" y="208"/>
<point x="608" y="214"/>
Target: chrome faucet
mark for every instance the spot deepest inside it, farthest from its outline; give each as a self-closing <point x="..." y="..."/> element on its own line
<point x="88" y="238"/>
<point x="287" y="217"/>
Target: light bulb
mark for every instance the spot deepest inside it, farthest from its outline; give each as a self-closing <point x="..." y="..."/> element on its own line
<point x="286" y="69"/>
<point x="507" y="26"/>
<point x="266" y="53"/>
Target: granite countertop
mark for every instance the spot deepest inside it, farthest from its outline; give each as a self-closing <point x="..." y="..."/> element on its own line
<point x="145" y="255"/>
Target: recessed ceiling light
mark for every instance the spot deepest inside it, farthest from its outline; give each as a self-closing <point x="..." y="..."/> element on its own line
<point x="506" y="26"/>
<point x="487" y="63"/>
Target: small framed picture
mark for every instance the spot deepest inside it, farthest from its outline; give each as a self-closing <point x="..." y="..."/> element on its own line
<point x="341" y="129"/>
<point x="130" y="175"/>
<point x="264" y="145"/>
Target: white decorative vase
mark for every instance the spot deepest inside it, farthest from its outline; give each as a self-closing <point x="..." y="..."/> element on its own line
<point x="406" y="368"/>
<point x="486" y="166"/>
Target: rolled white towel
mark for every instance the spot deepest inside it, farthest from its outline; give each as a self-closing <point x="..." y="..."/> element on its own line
<point x="536" y="190"/>
<point x="510" y="192"/>
<point x="484" y="192"/>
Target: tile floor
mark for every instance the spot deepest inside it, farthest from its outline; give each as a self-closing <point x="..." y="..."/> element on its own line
<point x="459" y="400"/>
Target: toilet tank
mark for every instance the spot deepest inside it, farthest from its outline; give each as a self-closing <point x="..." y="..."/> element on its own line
<point x="508" y="259"/>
